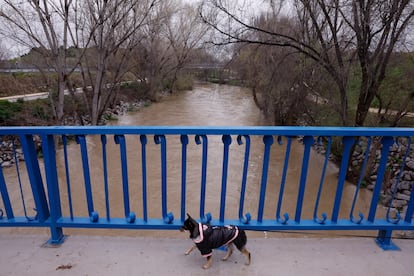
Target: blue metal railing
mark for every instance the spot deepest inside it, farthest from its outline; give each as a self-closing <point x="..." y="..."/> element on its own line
<point x="56" y="196"/>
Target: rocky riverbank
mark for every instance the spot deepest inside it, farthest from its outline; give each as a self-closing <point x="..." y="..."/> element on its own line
<point x="121" y="108"/>
<point x="398" y="180"/>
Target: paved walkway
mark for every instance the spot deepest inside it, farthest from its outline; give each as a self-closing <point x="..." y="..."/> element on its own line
<point x="102" y="255"/>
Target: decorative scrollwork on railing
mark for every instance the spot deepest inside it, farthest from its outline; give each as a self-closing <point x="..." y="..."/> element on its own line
<point x="280" y="140"/>
<point x="120" y="139"/>
<point x="283" y="180"/>
<point x="94" y="216"/>
<point x="320" y="220"/>
<point x="394" y="192"/>
<point x="105" y="176"/>
<point x="16" y="163"/>
<point x="285" y="218"/>
<point x="206" y="218"/>
<point x="67" y="174"/>
<point x="322" y="180"/>
<point x="268" y="141"/>
<point x="160" y="140"/>
<point x="245" y="219"/>
<point x="169" y="218"/>
<point x="361" y="176"/>
<point x="130" y="218"/>
<point x="143" y="139"/>
<point x="202" y="140"/>
<point x="184" y="142"/>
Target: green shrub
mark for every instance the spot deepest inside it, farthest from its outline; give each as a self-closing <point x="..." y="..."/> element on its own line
<point x="8" y="110"/>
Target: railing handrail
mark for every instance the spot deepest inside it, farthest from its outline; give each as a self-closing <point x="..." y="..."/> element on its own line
<point x="213" y="130"/>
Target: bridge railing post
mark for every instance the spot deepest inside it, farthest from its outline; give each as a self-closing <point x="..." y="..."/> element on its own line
<point x="49" y="156"/>
<point x="384" y="241"/>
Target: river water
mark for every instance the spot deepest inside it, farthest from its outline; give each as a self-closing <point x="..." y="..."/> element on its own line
<point x="205" y="105"/>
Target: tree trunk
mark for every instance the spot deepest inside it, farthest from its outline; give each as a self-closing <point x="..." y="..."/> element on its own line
<point x="61" y="101"/>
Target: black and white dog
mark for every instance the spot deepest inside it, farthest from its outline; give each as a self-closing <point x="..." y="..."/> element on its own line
<point x="207" y="238"/>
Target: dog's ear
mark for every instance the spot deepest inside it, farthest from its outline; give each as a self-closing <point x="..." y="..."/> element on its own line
<point x="189" y="216"/>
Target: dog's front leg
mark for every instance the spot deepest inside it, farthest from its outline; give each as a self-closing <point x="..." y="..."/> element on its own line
<point x="208" y="263"/>
<point x="190" y="249"/>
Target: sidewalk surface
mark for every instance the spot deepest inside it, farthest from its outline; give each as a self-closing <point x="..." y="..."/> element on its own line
<point x="103" y="255"/>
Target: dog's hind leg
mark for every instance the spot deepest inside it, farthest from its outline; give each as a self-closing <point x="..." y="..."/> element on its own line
<point x="248" y="255"/>
<point x="190" y="249"/>
<point x="240" y="243"/>
<point x="229" y="252"/>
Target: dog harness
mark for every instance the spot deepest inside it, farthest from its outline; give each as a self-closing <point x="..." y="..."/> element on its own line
<point x="213" y="237"/>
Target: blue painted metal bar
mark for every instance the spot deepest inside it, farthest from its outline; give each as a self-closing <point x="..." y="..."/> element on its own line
<point x="318" y="197"/>
<point x="202" y="139"/>
<point x="247" y="217"/>
<point x="283" y="181"/>
<point x="361" y="177"/>
<point x="346" y="153"/>
<point x="120" y="140"/>
<point x="184" y="143"/>
<point x="16" y="165"/>
<point x="5" y="197"/>
<point x="213" y="130"/>
<point x="160" y="140"/>
<point x="35" y="177"/>
<point x="105" y="176"/>
<point x="144" y="140"/>
<point x="386" y="143"/>
<point x="308" y="141"/>
<point x="226" y="141"/>
<point x="410" y="210"/>
<point x="81" y="140"/>
<point x="67" y="174"/>
<point x="268" y="141"/>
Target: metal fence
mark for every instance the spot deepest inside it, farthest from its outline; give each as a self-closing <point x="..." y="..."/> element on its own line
<point x="46" y="191"/>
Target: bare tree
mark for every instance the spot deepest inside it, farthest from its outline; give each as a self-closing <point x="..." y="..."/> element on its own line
<point x="114" y="31"/>
<point x="276" y="75"/>
<point x="185" y="33"/>
<point x="332" y="33"/>
<point x="154" y="55"/>
<point x="3" y="53"/>
<point x="104" y="33"/>
<point x="174" y="31"/>
<point x="43" y="26"/>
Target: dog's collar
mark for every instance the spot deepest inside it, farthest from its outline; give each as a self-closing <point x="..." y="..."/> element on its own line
<point x="201" y="229"/>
